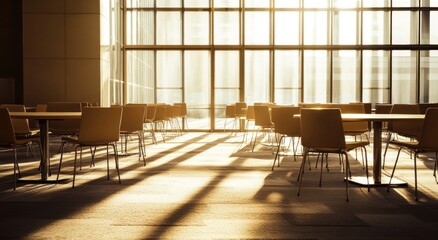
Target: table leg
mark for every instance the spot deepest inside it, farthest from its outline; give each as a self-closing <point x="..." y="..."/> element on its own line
<point x="377" y="152"/>
<point x="377" y="179"/>
<point x="44" y="140"/>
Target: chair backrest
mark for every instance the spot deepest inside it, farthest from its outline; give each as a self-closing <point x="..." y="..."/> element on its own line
<point x="132" y="118"/>
<point x="354" y="126"/>
<point x="150" y="112"/>
<point x="429" y="135"/>
<point x="250" y="113"/>
<point x="21" y="126"/>
<point x="383" y="108"/>
<point x="67" y="126"/>
<point x="285" y="122"/>
<point x="409" y="128"/>
<point x="176" y="110"/>
<point x="230" y="111"/>
<point x="100" y="125"/>
<point x="160" y="113"/>
<point x="424" y="106"/>
<point x="241" y="108"/>
<point x="183" y="109"/>
<point x="41" y="108"/>
<point x="7" y="134"/>
<point x="322" y="128"/>
<point x="262" y="116"/>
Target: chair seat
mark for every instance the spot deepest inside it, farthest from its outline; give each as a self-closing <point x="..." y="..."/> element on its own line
<point x="408" y="144"/>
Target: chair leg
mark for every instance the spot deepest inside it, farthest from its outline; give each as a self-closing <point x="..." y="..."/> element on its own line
<point x="255" y="140"/>
<point x="107" y="162"/>
<point x="347" y="170"/>
<point x="276" y="155"/>
<point x="435" y="167"/>
<point x="393" y="170"/>
<point x="60" y="161"/>
<point x="415" y="174"/>
<point x="74" y="166"/>
<point x="388" y="139"/>
<point x="322" y="163"/>
<point x="15" y="168"/>
<point x="301" y="173"/>
<point x="116" y="159"/>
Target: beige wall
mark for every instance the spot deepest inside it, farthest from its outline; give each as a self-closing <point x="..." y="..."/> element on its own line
<point x="61" y="51"/>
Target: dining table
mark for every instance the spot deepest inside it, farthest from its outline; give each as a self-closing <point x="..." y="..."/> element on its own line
<point x="43" y="119"/>
<point x="377" y="121"/>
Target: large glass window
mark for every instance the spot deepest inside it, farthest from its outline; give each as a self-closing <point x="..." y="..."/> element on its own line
<point x="210" y="53"/>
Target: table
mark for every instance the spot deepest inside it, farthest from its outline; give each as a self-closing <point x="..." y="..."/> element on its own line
<point x="377" y="120"/>
<point x="43" y="122"/>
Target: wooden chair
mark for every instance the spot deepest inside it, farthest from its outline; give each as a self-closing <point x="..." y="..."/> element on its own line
<point x="426" y="143"/>
<point x="99" y="127"/>
<point x="262" y="121"/>
<point x="322" y="132"/>
<point x="8" y="140"/>
<point x="132" y="124"/>
<point x="230" y="112"/>
<point x="408" y="128"/>
<point x="286" y="126"/>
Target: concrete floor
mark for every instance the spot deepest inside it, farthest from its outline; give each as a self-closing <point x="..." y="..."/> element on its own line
<point x="210" y="186"/>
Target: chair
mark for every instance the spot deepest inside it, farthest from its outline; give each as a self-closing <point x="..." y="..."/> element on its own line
<point x="250" y="117"/>
<point x="99" y="127"/>
<point x="8" y="139"/>
<point x="322" y="132"/>
<point x="150" y="118"/>
<point x="68" y="126"/>
<point x="160" y="120"/>
<point x="21" y="126"/>
<point x="383" y="108"/>
<point x="241" y="109"/>
<point x="183" y="115"/>
<point x="230" y="112"/>
<point x="287" y="126"/>
<point x="424" y="106"/>
<point x="426" y="143"/>
<point x="132" y="123"/>
<point x="262" y="120"/>
<point x="407" y="128"/>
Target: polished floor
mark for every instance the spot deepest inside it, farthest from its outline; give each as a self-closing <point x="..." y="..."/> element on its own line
<point x="211" y="186"/>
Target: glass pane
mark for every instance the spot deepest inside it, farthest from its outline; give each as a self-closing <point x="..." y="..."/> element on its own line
<point x="346" y="81"/>
<point x="197" y="78"/>
<point x="198" y="118"/>
<point x="433" y="30"/>
<point x="140" y="76"/>
<point x="433" y="3"/>
<point x="316" y="81"/>
<point x="139" y="3"/>
<point x="315" y="3"/>
<point x="429" y="34"/>
<point x="405" y="3"/>
<point x="429" y="76"/>
<point x="257" y="28"/>
<point x="404" y="80"/>
<point x="376" y="3"/>
<point x="257" y="3"/>
<point x="375" y="27"/>
<point x="226" y="28"/>
<point x="287" y="3"/>
<point x="226" y="3"/>
<point x="169" y="69"/>
<point x="345" y="27"/>
<point x="140" y="27"/>
<point x="375" y="76"/>
<point x="227" y="70"/>
<point x="168" y="3"/>
<point x="287" y="96"/>
<point x="256" y="76"/>
<point x="346" y="3"/>
<point x="169" y="96"/>
<point x="315" y="28"/>
<point x="196" y="27"/>
<point x="287" y="28"/>
<point x="404" y="27"/>
<point x="197" y="3"/>
<point x="287" y="77"/>
<point x="169" y="30"/>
